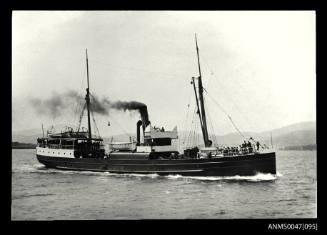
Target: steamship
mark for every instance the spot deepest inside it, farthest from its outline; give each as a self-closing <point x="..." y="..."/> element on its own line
<point x="156" y="153"/>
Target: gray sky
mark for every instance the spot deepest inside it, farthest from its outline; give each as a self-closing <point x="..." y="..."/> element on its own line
<point x="258" y="65"/>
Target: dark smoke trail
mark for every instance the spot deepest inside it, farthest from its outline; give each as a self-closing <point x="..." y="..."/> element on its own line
<point x="133" y="105"/>
<point x="57" y="104"/>
<point x="121" y="105"/>
<point x="99" y="107"/>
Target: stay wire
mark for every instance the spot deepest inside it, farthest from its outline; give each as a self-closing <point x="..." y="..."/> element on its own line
<point x="187" y="112"/>
<point x="81" y="117"/>
<point x="189" y="138"/>
<point x="213" y="135"/>
<point x="95" y="123"/>
<point x="125" y="132"/>
<point x="235" y="90"/>
<point x="239" y="110"/>
<point x="229" y="117"/>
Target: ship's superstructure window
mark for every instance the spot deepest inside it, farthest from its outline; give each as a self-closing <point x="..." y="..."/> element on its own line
<point x="161" y="141"/>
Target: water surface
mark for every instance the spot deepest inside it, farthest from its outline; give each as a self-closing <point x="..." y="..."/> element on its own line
<point x="39" y="193"/>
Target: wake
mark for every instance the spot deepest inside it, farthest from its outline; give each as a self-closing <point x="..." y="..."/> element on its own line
<point x="39" y="168"/>
<point x="255" y="178"/>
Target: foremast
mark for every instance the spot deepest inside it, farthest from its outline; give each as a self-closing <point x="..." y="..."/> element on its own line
<point x="202" y="114"/>
<point x="87" y="98"/>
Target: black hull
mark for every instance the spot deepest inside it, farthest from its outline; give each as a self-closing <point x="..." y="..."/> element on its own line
<point x="246" y="165"/>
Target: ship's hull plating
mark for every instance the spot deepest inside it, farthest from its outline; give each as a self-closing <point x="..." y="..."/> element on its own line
<point x="225" y="166"/>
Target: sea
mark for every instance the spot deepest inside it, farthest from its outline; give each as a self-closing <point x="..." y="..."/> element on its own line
<point x="39" y="193"/>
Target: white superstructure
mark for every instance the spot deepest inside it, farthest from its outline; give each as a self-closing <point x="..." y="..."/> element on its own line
<point x="53" y="152"/>
<point x="158" y="140"/>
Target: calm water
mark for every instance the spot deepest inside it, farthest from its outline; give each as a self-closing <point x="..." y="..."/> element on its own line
<point x="46" y="194"/>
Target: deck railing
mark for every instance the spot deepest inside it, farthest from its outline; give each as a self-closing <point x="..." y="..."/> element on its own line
<point x="56" y="146"/>
<point x="231" y="152"/>
<point x="62" y="146"/>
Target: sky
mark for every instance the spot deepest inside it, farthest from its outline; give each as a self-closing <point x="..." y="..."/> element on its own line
<point x="258" y="67"/>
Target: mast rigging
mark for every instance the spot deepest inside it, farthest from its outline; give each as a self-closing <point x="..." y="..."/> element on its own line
<point x="197" y="105"/>
<point x="207" y="142"/>
<point x="87" y="98"/>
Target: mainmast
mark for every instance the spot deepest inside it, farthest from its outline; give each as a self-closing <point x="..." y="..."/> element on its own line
<point x="87" y="98"/>
<point x="197" y="105"/>
<point x="207" y="142"/>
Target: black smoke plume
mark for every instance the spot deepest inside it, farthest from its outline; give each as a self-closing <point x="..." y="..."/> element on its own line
<point x="105" y="104"/>
<point x="57" y="104"/>
<point x="133" y="105"/>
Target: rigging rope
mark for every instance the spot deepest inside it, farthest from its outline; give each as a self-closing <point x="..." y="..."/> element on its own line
<point x="80" y="118"/>
<point x="236" y="106"/>
<point x="185" y="123"/>
<point x="188" y="110"/>
<point x="234" y="88"/>
<point x="238" y="109"/>
<point x="229" y="117"/>
<point x="189" y="137"/>
<point x="81" y="102"/>
<point x="195" y="133"/>
<point x="213" y="135"/>
<point x="125" y="132"/>
<point x="95" y="124"/>
<point x="77" y="107"/>
<point x="211" y="72"/>
<point x="194" y="139"/>
<point x="111" y="117"/>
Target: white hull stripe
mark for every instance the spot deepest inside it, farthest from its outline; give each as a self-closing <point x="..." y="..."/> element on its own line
<point x="85" y="169"/>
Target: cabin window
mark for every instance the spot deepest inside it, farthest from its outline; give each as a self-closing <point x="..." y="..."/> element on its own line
<point x="161" y="141"/>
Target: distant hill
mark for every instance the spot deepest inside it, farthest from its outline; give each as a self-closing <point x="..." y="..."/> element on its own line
<point x="25" y="137"/>
<point x="18" y="145"/>
<point x="298" y="134"/>
<point x="302" y="147"/>
<point x="296" y="138"/>
<point x="302" y="126"/>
